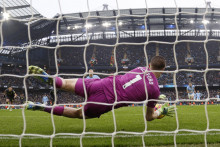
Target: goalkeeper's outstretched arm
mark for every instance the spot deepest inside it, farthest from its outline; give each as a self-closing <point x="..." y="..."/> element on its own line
<point x="151" y="114"/>
<point x="165" y="110"/>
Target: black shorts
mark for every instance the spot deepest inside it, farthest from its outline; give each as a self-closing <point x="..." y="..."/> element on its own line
<point x="10" y="98"/>
<point x="21" y="101"/>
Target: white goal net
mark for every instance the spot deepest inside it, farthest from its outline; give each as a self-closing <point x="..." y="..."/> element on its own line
<point x="173" y="27"/>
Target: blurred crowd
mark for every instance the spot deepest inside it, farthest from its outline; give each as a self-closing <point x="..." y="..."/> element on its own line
<point x="182" y="78"/>
<point x="137" y="54"/>
<point x="197" y="78"/>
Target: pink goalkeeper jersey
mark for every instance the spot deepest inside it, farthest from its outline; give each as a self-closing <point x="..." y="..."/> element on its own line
<point x="130" y="87"/>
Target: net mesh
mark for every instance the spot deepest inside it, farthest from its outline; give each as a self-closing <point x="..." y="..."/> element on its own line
<point x="117" y="72"/>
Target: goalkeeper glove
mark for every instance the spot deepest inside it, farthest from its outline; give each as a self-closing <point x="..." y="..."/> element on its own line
<point x="166" y="110"/>
<point x="162" y="96"/>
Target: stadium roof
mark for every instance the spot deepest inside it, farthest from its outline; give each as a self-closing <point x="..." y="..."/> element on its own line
<point x="15" y="26"/>
<point x="162" y="19"/>
<point x="18" y="9"/>
<point x="133" y="19"/>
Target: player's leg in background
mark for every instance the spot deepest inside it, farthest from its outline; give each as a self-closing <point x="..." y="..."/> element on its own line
<point x="189" y="96"/>
<point x="22" y="101"/>
<point x="194" y="98"/>
<point x="10" y="102"/>
<point x="7" y="102"/>
<point x="198" y="99"/>
<point x="52" y="97"/>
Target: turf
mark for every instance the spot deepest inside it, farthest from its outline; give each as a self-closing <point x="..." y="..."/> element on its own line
<point x="127" y="119"/>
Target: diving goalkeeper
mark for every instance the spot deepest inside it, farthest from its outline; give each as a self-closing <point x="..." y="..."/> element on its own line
<point x="129" y="87"/>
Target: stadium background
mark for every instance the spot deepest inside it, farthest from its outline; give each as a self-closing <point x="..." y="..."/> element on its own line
<point x="102" y="29"/>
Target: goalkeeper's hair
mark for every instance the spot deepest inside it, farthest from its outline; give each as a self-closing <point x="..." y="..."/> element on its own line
<point x="158" y="63"/>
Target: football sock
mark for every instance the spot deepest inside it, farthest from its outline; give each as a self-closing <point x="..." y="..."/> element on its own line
<point x="59" y="82"/>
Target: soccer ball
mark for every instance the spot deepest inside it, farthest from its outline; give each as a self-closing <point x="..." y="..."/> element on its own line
<point x="158" y="106"/>
<point x="29" y="105"/>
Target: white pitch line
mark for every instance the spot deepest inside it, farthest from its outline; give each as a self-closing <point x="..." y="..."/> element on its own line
<point x="120" y="136"/>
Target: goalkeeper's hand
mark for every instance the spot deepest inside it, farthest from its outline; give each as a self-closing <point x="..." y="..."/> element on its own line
<point x="162" y="96"/>
<point x="166" y="110"/>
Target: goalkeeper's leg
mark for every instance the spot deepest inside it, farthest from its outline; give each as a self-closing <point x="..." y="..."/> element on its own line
<point x="63" y="84"/>
<point x="91" y="110"/>
<point x="77" y="86"/>
<point x="57" y="110"/>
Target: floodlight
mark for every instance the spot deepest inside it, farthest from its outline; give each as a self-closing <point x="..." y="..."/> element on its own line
<point x="88" y="25"/>
<point x="106" y="24"/>
<point x="6" y="15"/>
<point x="191" y="21"/>
<point x="205" y="22"/>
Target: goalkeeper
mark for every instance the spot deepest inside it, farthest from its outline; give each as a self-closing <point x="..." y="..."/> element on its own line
<point x="129" y="87"/>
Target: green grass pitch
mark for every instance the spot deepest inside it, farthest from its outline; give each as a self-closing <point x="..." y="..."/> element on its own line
<point x="127" y="119"/>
